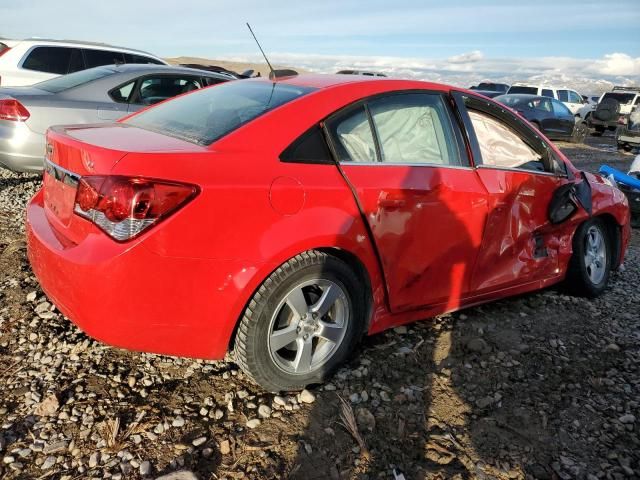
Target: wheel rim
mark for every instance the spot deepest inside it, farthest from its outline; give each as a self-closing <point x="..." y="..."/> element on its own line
<point x="308" y="326"/>
<point x="595" y="257"/>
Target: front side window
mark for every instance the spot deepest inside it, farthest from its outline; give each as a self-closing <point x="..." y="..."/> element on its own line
<point x="563" y="95"/>
<point x="500" y="146"/>
<point x="51" y="59"/>
<point x="574" y="97"/>
<point x="210" y="113"/>
<point x="560" y="108"/>
<point x="414" y="128"/>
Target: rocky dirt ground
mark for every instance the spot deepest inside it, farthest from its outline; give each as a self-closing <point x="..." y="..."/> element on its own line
<point x="540" y="386"/>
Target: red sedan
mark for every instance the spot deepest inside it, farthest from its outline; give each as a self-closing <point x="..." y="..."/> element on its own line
<point x="283" y="220"/>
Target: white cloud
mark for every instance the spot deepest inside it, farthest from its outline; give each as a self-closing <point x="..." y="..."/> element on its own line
<point x="469" y="57"/>
<point x="618" y="64"/>
<point x="585" y="75"/>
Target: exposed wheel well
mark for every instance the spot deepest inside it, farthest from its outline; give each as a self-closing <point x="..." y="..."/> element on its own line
<point x="613" y="231"/>
<point x="360" y="270"/>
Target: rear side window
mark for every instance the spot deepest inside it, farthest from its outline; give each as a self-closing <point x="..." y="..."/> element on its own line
<point x="414" y="128"/>
<point x="56" y="60"/>
<point x="407" y="129"/>
<point x="547" y="93"/>
<point x="563" y="95"/>
<point x="352" y="137"/>
<point x="133" y="58"/>
<point x="97" y="58"/>
<point x="208" y="114"/>
<point x="525" y="90"/>
<point x="311" y="147"/>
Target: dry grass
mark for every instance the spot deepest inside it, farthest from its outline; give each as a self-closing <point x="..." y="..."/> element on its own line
<point x="348" y="421"/>
<point x="114" y="439"/>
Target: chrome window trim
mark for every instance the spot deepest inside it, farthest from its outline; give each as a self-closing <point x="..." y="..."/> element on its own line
<point x="393" y="164"/>
<point x="522" y="170"/>
<point x="61" y="174"/>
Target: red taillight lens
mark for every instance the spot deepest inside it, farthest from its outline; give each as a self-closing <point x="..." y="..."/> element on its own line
<point x="11" y="109"/>
<point x="125" y="206"/>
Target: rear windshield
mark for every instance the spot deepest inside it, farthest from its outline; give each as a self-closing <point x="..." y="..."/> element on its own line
<point x="527" y="90"/>
<point x="204" y="116"/>
<point x="76" y="79"/>
<point x="622" y="98"/>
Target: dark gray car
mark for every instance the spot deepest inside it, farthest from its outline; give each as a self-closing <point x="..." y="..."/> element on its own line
<point x="100" y="94"/>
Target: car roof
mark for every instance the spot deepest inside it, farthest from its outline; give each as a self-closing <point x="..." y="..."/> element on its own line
<point x="322" y="81"/>
<point x="74" y="43"/>
<point x="144" y="67"/>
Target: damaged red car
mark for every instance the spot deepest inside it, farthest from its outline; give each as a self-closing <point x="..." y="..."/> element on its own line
<point x="283" y="220"/>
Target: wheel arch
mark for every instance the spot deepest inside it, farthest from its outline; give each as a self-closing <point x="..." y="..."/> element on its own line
<point x="614" y="231"/>
<point x="348" y="256"/>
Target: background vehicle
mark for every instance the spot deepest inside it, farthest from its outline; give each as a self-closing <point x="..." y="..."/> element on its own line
<point x="614" y="108"/>
<point x="284" y="220"/>
<point x="490" y="89"/>
<point x="549" y="115"/>
<point x="571" y="99"/>
<point x="25" y="62"/>
<point x="361" y="72"/>
<point x="95" y="95"/>
<point x="628" y="135"/>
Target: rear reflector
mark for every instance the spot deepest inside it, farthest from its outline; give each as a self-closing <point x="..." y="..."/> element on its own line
<point x="124" y="207"/>
<point x="11" y="109"/>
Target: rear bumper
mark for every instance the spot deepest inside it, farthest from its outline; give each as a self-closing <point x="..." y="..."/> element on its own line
<point x="594" y="122"/>
<point x="127" y="296"/>
<point x="21" y="149"/>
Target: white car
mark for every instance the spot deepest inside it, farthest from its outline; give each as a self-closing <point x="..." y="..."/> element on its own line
<point x="572" y="99"/>
<point x="25" y="62"/>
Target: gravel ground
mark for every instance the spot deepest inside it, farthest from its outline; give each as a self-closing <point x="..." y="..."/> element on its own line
<point x="539" y="386"/>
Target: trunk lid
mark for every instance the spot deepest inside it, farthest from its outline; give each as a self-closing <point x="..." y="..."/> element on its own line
<point x="81" y="150"/>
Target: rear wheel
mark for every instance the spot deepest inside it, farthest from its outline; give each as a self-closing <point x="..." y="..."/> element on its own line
<point x="590" y="264"/>
<point x="598" y="131"/>
<point x="301" y="324"/>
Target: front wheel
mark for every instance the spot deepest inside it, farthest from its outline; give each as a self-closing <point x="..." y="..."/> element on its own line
<point x="302" y="323"/>
<point x="590" y="264"/>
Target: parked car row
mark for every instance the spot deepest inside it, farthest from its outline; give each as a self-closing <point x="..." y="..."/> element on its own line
<point x="25" y="62"/>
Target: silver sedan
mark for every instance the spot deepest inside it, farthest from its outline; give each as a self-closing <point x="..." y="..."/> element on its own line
<point x="96" y="95"/>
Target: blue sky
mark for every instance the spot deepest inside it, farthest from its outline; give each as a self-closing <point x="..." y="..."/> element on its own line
<point x="494" y="35"/>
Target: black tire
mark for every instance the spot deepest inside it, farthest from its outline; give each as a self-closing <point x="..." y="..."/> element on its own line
<point x="578" y="280"/>
<point x="607" y="110"/>
<point x="252" y="348"/>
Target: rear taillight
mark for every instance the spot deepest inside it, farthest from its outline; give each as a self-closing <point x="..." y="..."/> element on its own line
<point x="126" y="206"/>
<point x="12" y="109"/>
